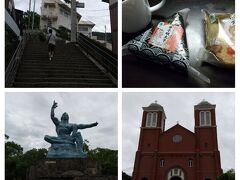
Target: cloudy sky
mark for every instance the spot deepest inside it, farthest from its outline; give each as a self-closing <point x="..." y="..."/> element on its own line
<point x="28" y="117"/>
<point x="95" y="11"/>
<point x="178" y="108"/>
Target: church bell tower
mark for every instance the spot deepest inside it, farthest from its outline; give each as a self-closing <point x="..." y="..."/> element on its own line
<point x="208" y="154"/>
<point x="152" y="126"/>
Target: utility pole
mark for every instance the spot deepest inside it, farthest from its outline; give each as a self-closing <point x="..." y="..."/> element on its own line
<point x="33" y="14"/>
<point x="73" y="21"/>
<point x="105" y="35"/>
<point x="29" y="14"/>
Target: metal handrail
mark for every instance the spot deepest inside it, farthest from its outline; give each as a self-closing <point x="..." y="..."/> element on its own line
<point x="12" y="68"/>
<point x="102" y="55"/>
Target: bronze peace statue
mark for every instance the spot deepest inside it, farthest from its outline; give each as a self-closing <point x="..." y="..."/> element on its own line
<point x="69" y="142"/>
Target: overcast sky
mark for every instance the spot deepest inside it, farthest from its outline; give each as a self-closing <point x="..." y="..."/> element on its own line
<point x="95" y="11"/>
<point x="179" y="107"/>
<point x="28" y="117"/>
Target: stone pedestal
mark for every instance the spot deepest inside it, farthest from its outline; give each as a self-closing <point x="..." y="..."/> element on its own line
<point x="67" y="169"/>
<point x="65" y="150"/>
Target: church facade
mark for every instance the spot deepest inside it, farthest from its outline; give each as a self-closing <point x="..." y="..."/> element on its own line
<point x="178" y="153"/>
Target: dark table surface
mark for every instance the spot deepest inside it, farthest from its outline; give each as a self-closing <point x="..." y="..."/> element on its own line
<point x="141" y="73"/>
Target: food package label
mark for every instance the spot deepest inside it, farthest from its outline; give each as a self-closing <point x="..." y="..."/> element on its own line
<point x="166" y="36"/>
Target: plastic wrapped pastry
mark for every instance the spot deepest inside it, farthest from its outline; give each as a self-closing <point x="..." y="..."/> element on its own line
<point x="220" y="37"/>
<point x="166" y="44"/>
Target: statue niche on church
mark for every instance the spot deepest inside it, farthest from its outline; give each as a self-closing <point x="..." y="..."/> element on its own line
<point x="69" y="142"/>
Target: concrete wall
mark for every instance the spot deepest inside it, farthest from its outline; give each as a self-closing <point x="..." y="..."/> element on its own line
<point x="11" y="23"/>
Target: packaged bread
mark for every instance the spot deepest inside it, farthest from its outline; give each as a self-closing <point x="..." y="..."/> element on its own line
<point x="220" y="37"/>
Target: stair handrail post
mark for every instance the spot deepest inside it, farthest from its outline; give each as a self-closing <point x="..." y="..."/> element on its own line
<point x="73" y="21"/>
<point x="33" y="14"/>
<point x="29" y="14"/>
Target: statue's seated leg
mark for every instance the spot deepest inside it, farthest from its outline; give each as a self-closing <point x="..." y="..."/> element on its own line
<point x="58" y="140"/>
<point x="79" y="141"/>
<point x="49" y="139"/>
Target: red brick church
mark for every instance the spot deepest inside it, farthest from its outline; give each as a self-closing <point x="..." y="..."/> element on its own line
<point x="178" y="153"/>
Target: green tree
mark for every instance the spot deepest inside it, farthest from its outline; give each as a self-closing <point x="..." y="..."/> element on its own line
<point x="12" y="153"/>
<point x="12" y="150"/>
<point x="36" y="19"/>
<point x="107" y="159"/>
<point x="63" y="32"/>
<point x="229" y="175"/>
<point x="28" y="159"/>
<point x="17" y="162"/>
<point x="86" y="145"/>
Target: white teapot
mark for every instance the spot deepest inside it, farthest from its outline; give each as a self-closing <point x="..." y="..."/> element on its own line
<point x="137" y="14"/>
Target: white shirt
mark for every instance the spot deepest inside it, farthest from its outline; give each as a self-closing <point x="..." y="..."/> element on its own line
<point x="52" y="39"/>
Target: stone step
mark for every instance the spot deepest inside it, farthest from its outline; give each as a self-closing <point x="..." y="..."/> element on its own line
<point x="37" y="73"/>
<point x="69" y="80"/>
<point x="63" y="75"/>
<point x="63" y="85"/>
<point x="48" y="62"/>
<point x="56" y="66"/>
<point x="45" y="58"/>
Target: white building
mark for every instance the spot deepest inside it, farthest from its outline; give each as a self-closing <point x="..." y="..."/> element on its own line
<point x="113" y="7"/>
<point x="55" y="13"/>
<point x="85" y="27"/>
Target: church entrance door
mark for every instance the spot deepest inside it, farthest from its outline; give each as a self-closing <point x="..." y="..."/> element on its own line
<point x="176" y="174"/>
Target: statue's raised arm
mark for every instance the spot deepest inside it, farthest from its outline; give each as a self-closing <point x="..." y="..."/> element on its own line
<point x="54" y="119"/>
<point x="84" y="126"/>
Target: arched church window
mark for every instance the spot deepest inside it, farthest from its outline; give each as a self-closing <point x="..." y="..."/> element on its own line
<point x="162" y="162"/>
<point x="190" y="163"/>
<point x="154" y="119"/>
<point x="148" y="120"/>
<point x="205" y="118"/>
<point x="151" y="120"/>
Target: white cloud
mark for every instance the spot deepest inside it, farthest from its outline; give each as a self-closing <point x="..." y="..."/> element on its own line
<point x="28" y="117"/>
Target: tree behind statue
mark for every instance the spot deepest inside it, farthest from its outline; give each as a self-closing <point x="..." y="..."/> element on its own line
<point x="17" y="162"/>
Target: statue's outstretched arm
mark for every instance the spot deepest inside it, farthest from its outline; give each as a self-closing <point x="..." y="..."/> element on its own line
<point x="54" y="119"/>
<point x="84" y="126"/>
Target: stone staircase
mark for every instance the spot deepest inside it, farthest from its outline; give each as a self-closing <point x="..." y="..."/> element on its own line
<point x="69" y="68"/>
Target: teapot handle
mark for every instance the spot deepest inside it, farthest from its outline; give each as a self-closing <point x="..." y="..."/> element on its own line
<point x="158" y="6"/>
